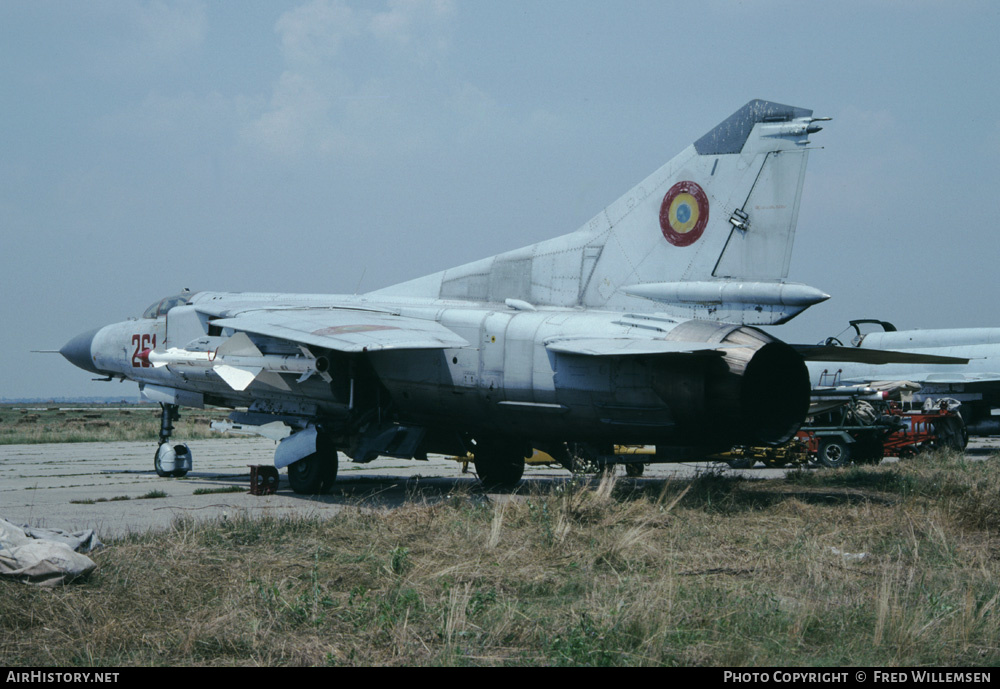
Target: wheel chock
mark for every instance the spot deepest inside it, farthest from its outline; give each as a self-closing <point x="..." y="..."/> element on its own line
<point x="263" y="479"/>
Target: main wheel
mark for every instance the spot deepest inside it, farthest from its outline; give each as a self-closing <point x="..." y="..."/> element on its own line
<point x="834" y="453"/>
<point x="634" y="469"/>
<point x="314" y="474"/>
<point x="499" y="464"/>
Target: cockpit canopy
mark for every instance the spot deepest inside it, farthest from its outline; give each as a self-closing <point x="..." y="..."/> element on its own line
<point x="160" y="308"/>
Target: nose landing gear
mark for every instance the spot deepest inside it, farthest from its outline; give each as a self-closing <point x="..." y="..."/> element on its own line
<point x="170" y="460"/>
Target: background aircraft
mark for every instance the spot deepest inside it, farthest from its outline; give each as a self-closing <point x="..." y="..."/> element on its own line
<point x="636" y="328"/>
<point x="976" y="384"/>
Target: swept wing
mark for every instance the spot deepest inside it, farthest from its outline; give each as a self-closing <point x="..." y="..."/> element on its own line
<point x="345" y="330"/>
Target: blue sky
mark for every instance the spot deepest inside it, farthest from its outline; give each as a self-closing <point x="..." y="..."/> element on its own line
<point x="330" y="145"/>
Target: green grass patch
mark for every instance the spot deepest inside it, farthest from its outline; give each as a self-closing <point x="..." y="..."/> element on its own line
<point x="101" y="423"/>
<point x="89" y="501"/>
<point x="896" y="565"/>
<point x="221" y="489"/>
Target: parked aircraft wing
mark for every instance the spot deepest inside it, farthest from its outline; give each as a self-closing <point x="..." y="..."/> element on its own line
<point x="871" y="356"/>
<point x="955" y="378"/>
<point x="610" y="346"/>
<point x="976" y="384"/>
<point x="345" y="330"/>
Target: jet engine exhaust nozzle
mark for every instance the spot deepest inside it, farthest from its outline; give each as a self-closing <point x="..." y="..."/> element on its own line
<point x="756" y="392"/>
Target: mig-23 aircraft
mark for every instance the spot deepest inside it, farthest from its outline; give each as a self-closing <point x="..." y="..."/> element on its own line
<point x="637" y="328"/>
<point x="975" y="383"/>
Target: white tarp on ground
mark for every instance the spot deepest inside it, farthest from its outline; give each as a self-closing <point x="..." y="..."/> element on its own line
<point x="46" y="557"/>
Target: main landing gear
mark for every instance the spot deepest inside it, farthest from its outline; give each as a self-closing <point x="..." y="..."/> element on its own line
<point x="315" y="473"/>
<point x="499" y="463"/>
<point x="170" y="460"/>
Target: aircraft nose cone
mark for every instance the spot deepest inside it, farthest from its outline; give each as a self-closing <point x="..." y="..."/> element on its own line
<point x="77" y="351"/>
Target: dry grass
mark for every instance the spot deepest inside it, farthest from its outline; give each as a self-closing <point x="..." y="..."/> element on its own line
<point x="20" y="426"/>
<point x="883" y="566"/>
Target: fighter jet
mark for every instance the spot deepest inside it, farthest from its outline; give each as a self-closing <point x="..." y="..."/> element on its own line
<point x="975" y="383"/>
<point x="637" y="328"/>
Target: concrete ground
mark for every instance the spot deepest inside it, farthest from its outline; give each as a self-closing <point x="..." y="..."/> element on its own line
<point x="72" y="486"/>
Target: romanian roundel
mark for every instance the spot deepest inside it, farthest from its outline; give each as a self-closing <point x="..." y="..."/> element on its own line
<point x="684" y="213"/>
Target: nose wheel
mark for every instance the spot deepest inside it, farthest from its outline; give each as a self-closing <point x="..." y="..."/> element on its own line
<point x="170" y="460"/>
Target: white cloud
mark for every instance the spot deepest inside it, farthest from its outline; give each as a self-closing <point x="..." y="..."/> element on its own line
<point x="166" y="31"/>
<point x="367" y="86"/>
<point x="406" y="22"/>
<point x="314" y="32"/>
<point x="348" y="73"/>
<point x="185" y="114"/>
<point x="137" y="38"/>
<point x="298" y="117"/>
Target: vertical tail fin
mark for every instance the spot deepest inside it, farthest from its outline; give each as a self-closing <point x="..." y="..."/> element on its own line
<point x="708" y="235"/>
